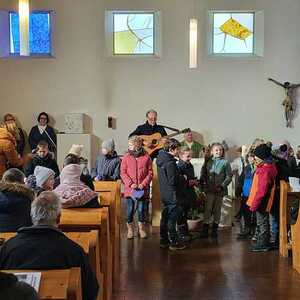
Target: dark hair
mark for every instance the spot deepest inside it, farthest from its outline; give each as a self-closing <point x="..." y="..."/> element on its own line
<point x="42" y="144"/>
<point x="71" y="159"/>
<point x="171" y="144"/>
<point x="13" y="175"/>
<point x="43" y="114"/>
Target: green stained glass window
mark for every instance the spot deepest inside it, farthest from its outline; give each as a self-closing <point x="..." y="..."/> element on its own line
<point x="233" y="33"/>
<point x="133" y="33"/>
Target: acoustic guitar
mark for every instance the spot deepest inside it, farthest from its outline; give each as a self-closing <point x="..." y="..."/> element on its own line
<point x="154" y="141"/>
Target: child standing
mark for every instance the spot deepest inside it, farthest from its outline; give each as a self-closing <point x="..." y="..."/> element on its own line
<point x="217" y="176"/>
<point x="187" y="170"/>
<point x="107" y="163"/>
<point x="245" y="184"/>
<point x="262" y="193"/>
<point x="170" y="183"/>
<point x="136" y="173"/>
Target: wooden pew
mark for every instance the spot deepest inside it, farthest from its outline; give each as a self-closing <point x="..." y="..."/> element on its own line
<point x="110" y="196"/>
<point x="156" y="202"/>
<point x="86" y="219"/>
<point x="295" y="229"/>
<point x="58" y="284"/>
<point x="284" y="219"/>
<point x="89" y="241"/>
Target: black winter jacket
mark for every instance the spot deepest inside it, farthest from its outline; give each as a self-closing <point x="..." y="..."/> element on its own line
<point x="46" y="248"/>
<point x="15" y="203"/>
<point x="47" y="162"/>
<point x="171" y="183"/>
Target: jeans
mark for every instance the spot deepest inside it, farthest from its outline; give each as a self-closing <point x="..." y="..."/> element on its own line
<point x="170" y="215"/>
<point x="262" y="219"/>
<point x="132" y="206"/>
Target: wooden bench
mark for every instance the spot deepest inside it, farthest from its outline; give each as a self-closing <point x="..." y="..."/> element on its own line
<point x="156" y="202"/>
<point x="89" y="241"/>
<point x="110" y="196"/>
<point x="284" y="219"/>
<point x="86" y="219"/>
<point x="58" y="284"/>
<point x="286" y="197"/>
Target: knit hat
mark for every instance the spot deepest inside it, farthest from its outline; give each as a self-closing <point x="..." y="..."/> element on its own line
<point x="42" y="174"/>
<point x="109" y="145"/>
<point x="262" y="151"/>
<point x="76" y="150"/>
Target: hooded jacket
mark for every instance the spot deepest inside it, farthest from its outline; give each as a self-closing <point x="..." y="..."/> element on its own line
<point x="15" y="204"/>
<point x="47" y="162"/>
<point x="8" y="152"/>
<point x="107" y="167"/>
<point x="45" y="248"/>
<point x="136" y="170"/>
<point x="170" y="180"/>
<point x="263" y="188"/>
<point x="73" y="192"/>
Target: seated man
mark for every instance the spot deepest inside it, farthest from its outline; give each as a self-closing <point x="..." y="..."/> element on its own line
<point x="43" y="158"/>
<point x="12" y="289"/>
<point x="195" y="147"/>
<point x="15" y="201"/>
<point x="44" y="247"/>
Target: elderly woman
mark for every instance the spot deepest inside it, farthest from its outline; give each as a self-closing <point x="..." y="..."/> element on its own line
<point x="44" y="132"/>
<point x="8" y="154"/>
<point x="73" y="192"/>
<point x="20" y="137"/>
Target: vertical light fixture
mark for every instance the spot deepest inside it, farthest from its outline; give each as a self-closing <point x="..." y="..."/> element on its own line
<point x="24" y="27"/>
<point x="193" y="43"/>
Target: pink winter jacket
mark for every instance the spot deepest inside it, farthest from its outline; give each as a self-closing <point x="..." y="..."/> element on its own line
<point x="136" y="170"/>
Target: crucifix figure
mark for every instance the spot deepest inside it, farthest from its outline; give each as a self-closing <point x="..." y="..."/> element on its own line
<point x="288" y="102"/>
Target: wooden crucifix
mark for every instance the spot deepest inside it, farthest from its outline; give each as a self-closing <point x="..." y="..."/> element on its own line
<point x="289" y="101"/>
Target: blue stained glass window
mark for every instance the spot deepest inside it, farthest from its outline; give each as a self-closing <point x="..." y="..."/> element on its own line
<point x="39" y="33"/>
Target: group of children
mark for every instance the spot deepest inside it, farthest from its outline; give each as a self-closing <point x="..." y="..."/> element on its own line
<point x="258" y="186"/>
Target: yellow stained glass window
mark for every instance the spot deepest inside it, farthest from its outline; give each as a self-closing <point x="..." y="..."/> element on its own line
<point x="233" y="33"/>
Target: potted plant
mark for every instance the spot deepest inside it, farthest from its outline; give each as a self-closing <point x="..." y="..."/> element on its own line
<point x="195" y="214"/>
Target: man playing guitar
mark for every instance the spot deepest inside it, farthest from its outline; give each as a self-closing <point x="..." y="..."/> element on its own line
<point x="150" y="128"/>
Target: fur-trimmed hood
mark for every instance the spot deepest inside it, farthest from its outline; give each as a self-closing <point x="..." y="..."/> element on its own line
<point x="16" y="188"/>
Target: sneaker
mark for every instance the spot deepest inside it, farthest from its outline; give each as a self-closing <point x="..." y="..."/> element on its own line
<point x="176" y="246"/>
<point x="259" y="248"/>
<point x="164" y="244"/>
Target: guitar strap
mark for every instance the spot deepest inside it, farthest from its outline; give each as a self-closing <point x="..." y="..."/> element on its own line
<point x="171" y="128"/>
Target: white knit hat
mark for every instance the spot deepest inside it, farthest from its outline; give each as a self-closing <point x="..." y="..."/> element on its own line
<point x="42" y="174"/>
<point x="76" y="150"/>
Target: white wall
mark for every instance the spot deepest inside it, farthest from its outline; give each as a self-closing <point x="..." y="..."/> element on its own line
<point x="223" y="99"/>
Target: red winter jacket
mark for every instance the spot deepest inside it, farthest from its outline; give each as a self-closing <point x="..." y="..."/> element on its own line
<point x="136" y="170"/>
<point x="263" y="186"/>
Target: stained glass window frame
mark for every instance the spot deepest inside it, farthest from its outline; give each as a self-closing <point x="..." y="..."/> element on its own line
<point x="133" y="13"/>
<point x="34" y="54"/>
<point x="212" y="16"/>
